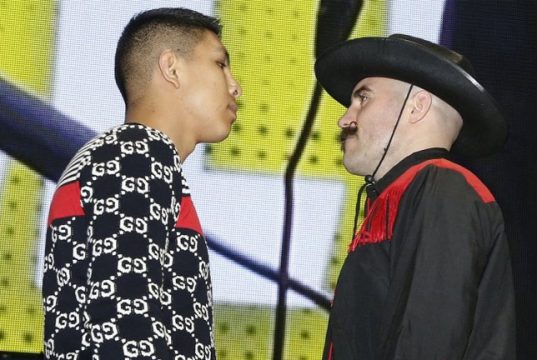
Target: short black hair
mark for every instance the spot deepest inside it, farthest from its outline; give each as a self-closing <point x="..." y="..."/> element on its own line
<point x="146" y="31"/>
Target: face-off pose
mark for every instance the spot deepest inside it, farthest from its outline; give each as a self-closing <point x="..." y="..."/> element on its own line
<point x="428" y="274"/>
<point x="126" y="266"/>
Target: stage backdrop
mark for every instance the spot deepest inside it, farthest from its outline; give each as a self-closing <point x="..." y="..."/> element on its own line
<point x="57" y="91"/>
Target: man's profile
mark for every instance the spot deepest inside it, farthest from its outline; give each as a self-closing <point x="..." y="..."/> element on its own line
<point x="126" y="266"/>
<point x="428" y="274"/>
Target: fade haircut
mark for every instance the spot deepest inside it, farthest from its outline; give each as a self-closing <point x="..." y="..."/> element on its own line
<point x="149" y="33"/>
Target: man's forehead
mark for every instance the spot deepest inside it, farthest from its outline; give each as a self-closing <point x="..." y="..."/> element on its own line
<point x="215" y="44"/>
<point x="377" y="81"/>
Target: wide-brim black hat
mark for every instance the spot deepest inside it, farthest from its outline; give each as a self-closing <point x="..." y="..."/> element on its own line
<point x="443" y="72"/>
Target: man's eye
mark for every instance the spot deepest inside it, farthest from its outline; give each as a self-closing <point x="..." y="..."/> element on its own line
<point x="361" y="96"/>
<point x="221" y="64"/>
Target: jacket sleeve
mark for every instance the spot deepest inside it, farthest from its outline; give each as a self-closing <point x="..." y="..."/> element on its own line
<point x="451" y="293"/>
<point x="129" y="211"/>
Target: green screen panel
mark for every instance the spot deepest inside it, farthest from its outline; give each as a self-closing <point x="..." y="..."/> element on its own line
<point x="26" y="55"/>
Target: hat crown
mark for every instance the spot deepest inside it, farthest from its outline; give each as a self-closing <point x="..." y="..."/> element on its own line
<point x="440" y="51"/>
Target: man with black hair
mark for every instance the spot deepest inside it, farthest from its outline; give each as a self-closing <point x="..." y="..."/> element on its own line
<point x="126" y="266"/>
<point x="428" y="274"/>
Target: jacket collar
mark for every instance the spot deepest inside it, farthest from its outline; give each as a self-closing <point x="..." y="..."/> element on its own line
<point x="375" y="189"/>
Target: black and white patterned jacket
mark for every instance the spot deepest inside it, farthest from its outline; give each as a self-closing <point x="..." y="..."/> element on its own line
<point x="126" y="266"/>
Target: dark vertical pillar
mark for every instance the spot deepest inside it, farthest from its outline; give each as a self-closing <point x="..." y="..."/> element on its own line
<point x="500" y="39"/>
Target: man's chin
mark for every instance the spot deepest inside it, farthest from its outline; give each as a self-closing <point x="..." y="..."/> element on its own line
<point x="348" y="167"/>
<point x="217" y="137"/>
<point x="353" y="169"/>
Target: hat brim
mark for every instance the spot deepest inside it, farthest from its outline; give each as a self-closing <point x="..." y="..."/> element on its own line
<point x="340" y="68"/>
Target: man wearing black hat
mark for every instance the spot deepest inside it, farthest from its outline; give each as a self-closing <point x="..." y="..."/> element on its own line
<point x="428" y="274"/>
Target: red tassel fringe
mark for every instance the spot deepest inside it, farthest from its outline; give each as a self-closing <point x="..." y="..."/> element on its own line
<point x="381" y="215"/>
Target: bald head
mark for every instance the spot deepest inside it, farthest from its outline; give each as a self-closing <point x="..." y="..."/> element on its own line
<point x="147" y="35"/>
<point x="450" y="118"/>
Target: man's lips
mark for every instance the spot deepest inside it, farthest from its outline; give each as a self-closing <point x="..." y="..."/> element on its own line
<point x="345" y="133"/>
<point x="233" y="107"/>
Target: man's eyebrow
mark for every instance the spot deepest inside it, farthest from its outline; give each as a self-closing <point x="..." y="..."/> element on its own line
<point x="223" y="50"/>
<point x="356" y="92"/>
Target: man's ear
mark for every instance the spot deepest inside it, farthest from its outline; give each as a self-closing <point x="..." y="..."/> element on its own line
<point x="169" y="64"/>
<point x="421" y="104"/>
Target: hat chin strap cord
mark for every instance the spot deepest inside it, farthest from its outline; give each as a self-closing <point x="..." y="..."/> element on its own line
<point x="369" y="184"/>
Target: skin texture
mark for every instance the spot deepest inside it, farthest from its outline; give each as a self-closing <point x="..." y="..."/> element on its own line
<point x="191" y="99"/>
<point x="426" y="121"/>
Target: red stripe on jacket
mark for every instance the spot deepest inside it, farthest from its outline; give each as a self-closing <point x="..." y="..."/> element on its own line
<point x="379" y="222"/>
<point x="188" y="217"/>
<point x="66" y="202"/>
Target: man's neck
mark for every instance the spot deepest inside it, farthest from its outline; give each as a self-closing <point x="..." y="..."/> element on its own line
<point x="392" y="160"/>
<point x="179" y="134"/>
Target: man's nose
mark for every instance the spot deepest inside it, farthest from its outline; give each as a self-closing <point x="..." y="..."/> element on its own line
<point x="347" y="119"/>
<point x="235" y="88"/>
